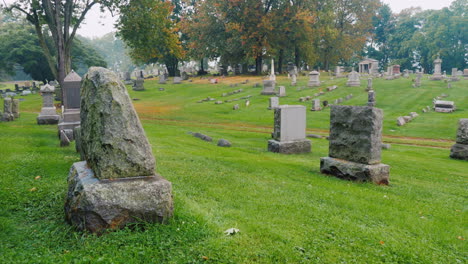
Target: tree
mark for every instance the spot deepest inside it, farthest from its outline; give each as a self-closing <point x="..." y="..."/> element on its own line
<point x="62" y="18"/>
<point x="20" y="46"/>
<point x="150" y="33"/>
<point x="384" y="27"/>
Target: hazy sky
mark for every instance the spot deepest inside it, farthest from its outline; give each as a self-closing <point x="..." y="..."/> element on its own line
<point x="98" y="24"/>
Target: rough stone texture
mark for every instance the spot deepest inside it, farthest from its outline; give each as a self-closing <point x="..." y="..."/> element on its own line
<point x="15" y="108"/>
<point x="459" y="151"/>
<point x="268" y="87"/>
<point x="113" y="141"/>
<point x="97" y="205"/>
<point x="356" y="133"/>
<point x="462" y="132"/>
<point x="7" y="110"/>
<point x="289" y="147"/>
<point x="343" y="169"/>
<point x="77" y="137"/>
<point x="202" y="137"/>
<point x="224" y="143"/>
<point x="371" y="98"/>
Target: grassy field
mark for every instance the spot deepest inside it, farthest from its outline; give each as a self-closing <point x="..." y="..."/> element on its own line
<point x="287" y="212"/>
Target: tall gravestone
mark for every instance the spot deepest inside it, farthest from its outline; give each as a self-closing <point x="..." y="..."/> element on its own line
<point x="292" y="70"/>
<point x="71" y="103"/>
<point x="371" y="98"/>
<point x="282" y="91"/>
<point x="314" y="79"/>
<point x="162" y="79"/>
<point x="437" y="70"/>
<point x="460" y="149"/>
<point x="274" y="102"/>
<point x="355" y="145"/>
<point x="48" y="113"/>
<point x="289" y="130"/>
<point x="316" y="105"/>
<point x="7" y="109"/>
<point x="369" y="84"/>
<point x="116" y="184"/>
<point x="353" y="79"/>
<point x="15" y="108"/>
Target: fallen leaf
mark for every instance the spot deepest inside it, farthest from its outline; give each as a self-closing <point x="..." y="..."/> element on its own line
<point x="33" y="189"/>
<point x="37" y="177"/>
<point x="381" y="242"/>
<point x="461" y="238"/>
<point x="231" y="231"/>
<point x="204" y="257"/>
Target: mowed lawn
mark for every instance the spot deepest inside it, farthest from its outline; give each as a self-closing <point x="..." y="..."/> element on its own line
<point x="286" y="211"/>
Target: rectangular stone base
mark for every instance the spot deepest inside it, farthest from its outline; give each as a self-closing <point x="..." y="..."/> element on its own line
<point x="97" y="205"/>
<point x="444" y="110"/>
<point x="48" y="120"/>
<point x="459" y="151"/>
<point x="348" y="170"/>
<point x="67" y="125"/>
<point x="289" y="147"/>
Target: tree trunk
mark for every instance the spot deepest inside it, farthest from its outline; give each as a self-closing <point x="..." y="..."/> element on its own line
<point x="280" y="61"/>
<point x="296" y="57"/>
<point x="258" y="65"/>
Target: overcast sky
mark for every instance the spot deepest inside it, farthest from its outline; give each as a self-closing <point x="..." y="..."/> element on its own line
<point x="98" y="24"/>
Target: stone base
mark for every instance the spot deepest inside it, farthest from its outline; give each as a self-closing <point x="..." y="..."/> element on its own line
<point x="313" y="84"/>
<point x="348" y="170"/>
<point x="444" y="110"/>
<point x="459" y="151"/>
<point x="289" y="147"/>
<point x="353" y="84"/>
<point x="48" y="120"/>
<point x="99" y="205"/>
<point x="67" y="125"/>
<point x="268" y="93"/>
<point x="436" y="78"/>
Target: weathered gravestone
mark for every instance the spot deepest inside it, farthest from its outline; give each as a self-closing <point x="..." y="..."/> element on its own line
<point x="15" y="108"/>
<point x="369" y="84"/>
<point x="353" y="79"/>
<point x="444" y="106"/>
<point x="71" y="102"/>
<point x="314" y="79"/>
<point x="460" y="149"/>
<point x="289" y="130"/>
<point x="138" y="84"/>
<point x="437" y="76"/>
<point x="177" y="80"/>
<point x="282" y="91"/>
<point x="274" y="103"/>
<point x="454" y="77"/>
<point x="48" y="113"/>
<point x="316" y="105"/>
<point x="292" y="70"/>
<point x="268" y="87"/>
<point x="355" y="145"/>
<point x="7" y="109"/>
<point x="162" y="79"/>
<point x="116" y="184"/>
<point x="371" y="98"/>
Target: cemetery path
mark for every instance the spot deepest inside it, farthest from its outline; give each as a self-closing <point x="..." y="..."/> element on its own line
<point x="399" y="140"/>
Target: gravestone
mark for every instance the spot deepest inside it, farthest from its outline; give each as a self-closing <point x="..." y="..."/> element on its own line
<point x="454" y="77"/>
<point x="15" y="108"/>
<point x="371" y="98"/>
<point x="355" y="145"/>
<point x="444" y="106"/>
<point x="273" y="103"/>
<point x="184" y="76"/>
<point x="268" y="87"/>
<point x="465" y="74"/>
<point x="138" y="84"/>
<point x="314" y="79"/>
<point x="316" y="105"/>
<point x="369" y="84"/>
<point x="177" y="80"/>
<point x="116" y="183"/>
<point x="400" y="121"/>
<point x="7" y="109"/>
<point x="162" y="79"/>
<point x="292" y="70"/>
<point x="437" y="76"/>
<point x="418" y="79"/>
<point x="282" y="91"/>
<point x="353" y="79"/>
<point x="71" y="103"/>
<point x="289" y="130"/>
<point x="460" y="149"/>
<point x="48" y="113"/>
<point x="272" y="76"/>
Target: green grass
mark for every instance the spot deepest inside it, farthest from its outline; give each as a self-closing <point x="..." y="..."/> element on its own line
<point x="286" y="210"/>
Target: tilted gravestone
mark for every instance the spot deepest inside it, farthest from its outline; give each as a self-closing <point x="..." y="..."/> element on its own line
<point x="289" y="130"/>
<point x="71" y="102"/>
<point x="48" y="113"/>
<point x="460" y="149"/>
<point x="355" y="145"/>
<point x="116" y="183"/>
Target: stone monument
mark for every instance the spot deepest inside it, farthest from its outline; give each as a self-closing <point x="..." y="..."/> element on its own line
<point x="369" y="84"/>
<point x="437" y="70"/>
<point x="371" y="98"/>
<point x="7" y="109"/>
<point x="444" y="106"/>
<point x="71" y="102"/>
<point x="138" y="84"/>
<point x="460" y="149"/>
<point x="15" y="108"/>
<point x="292" y="70"/>
<point x="353" y="79"/>
<point x="162" y="79"/>
<point x="282" y="91"/>
<point x="116" y="184"/>
<point x="48" y="115"/>
<point x="274" y="103"/>
<point x="314" y="79"/>
<point x="355" y="145"/>
<point x="289" y="130"/>
<point x="454" y="77"/>
<point x="316" y="105"/>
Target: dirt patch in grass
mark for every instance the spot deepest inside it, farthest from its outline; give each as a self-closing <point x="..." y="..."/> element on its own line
<point x="144" y="109"/>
